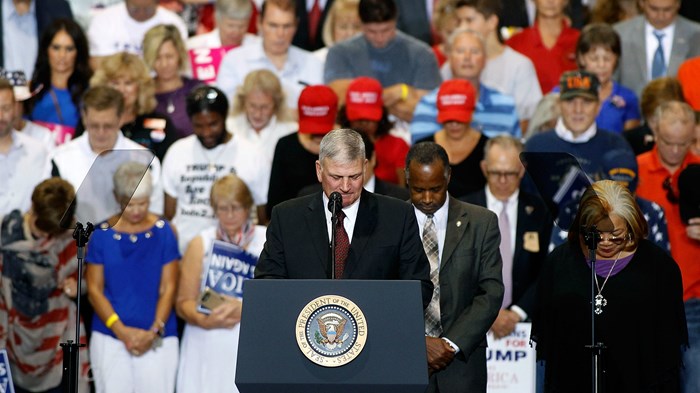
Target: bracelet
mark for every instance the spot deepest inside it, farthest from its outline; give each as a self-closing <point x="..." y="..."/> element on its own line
<point x="404" y="92"/>
<point x="158" y="328"/>
<point x="111" y="320"/>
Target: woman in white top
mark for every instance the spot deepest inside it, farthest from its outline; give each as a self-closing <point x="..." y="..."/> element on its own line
<point x="210" y="341"/>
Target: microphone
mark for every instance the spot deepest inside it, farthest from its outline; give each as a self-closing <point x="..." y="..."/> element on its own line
<point x="335" y="202"/>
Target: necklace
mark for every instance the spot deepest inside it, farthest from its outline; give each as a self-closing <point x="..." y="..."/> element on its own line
<point x="599" y="301"/>
<point x="171" y="106"/>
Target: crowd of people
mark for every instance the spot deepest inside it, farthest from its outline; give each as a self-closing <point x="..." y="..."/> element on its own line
<point x="177" y="125"/>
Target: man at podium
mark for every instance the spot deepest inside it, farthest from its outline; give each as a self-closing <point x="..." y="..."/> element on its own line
<point x="461" y="242"/>
<point x="376" y="236"/>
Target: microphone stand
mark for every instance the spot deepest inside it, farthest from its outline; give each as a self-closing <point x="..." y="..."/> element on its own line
<point x="71" y="356"/>
<point x="333" y="207"/>
<point x="591" y="236"/>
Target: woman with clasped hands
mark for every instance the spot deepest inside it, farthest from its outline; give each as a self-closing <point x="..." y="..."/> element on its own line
<point x="639" y="312"/>
<point x="210" y="341"/>
<point x="132" y="275"/>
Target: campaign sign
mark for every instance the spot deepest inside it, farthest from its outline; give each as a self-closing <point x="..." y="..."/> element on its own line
<point x="206" y="61"/>
<point x="226" y="268"/>
<point x="6" y="385"/>
<point x="510" y="362"/>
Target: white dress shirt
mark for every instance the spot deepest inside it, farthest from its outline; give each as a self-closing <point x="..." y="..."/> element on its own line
<point x="440" y="220"/>
<point x="350" y="217"/>
<point x="652" y="43"/>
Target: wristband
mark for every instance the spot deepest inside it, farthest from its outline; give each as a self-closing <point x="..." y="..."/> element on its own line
<point x="111" y="320"/>
<point x="404" y="92"/>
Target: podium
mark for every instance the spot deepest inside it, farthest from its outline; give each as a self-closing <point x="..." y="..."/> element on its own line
<point x="278" y="314"/>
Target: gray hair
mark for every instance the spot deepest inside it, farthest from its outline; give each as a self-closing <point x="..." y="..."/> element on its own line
<point x="463" y="30"/>
<point x="343" y="146"/>
<point x="678" y="110"/>
<point x="504" y="141"/>
<point x="132" y="180"/>
<point x="233" y="9"/>
<point x="547" y="111"/>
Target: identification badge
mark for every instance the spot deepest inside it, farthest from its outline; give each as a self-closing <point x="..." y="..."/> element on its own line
<point x="531" y="241"/>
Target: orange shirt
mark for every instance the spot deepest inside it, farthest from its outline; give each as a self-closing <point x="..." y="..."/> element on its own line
<point x="683" y="249"/>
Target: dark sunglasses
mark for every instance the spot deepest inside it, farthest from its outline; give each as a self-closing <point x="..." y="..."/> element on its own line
<point x="670" y="192"/>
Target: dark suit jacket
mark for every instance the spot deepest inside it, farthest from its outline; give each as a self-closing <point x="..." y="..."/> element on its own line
<point x="301" y="37"/>
<point x="46" y="12"/>
<point x="533" y="217"/>
<point x="471" y="292"/>
<point x="380" y="187"/>
<point x="413" y="20"/>
<point x="385" y="244"/>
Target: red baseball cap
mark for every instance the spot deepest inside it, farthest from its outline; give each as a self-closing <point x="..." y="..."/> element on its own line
<point x="318" y="107"/>
<point x="363" y="100"/>
<point x="456" y="101"/>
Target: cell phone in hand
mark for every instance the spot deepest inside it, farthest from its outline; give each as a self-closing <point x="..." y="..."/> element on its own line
<point x="210" y="299"/>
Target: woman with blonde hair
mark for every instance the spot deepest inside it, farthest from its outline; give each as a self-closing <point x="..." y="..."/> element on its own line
<point x="342" y="22"/>
<point x="210" y="341"/>
<point x="165" y="54"/>
<point x="259" y="112"/>
<point x="128" y="74"/>
<point x="639" y="312"/>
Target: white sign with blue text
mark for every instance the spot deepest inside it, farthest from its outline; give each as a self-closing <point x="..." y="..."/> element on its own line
<point x="226" y="268"/>
<point x="510" y="362"/>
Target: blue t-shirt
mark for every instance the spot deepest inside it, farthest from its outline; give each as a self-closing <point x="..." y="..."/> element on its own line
<point x="133" y="265"/>
<point x="45" y="109"/>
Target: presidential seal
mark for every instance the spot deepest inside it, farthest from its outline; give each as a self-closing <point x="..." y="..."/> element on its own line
<point x="331" y="331"/>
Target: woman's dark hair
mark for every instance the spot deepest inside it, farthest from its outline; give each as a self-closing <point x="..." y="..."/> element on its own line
<point x="385" y="125"/>
<point x="598" y="35"/>
<point x="78" y="82"/>
<point x="52" y="200"/>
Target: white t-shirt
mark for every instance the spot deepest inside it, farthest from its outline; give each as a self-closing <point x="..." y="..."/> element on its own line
<point x="24" y="166"/>
<point x="41" y="134"/>
<point x="513" y="74"/>
<point x="212" y="39"/>
<point x="113" y="30"/>
<point x="189" y="170"/>
<point x="94" y="186"/>
<point x="301" y="69"/>
<point x="266" y="139"/>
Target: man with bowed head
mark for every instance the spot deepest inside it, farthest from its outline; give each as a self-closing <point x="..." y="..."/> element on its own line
<point x="300" y="229"/>
<point x="462" y="244"/>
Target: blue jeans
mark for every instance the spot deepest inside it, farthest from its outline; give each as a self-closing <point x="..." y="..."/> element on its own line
<point x="690" y="375"/>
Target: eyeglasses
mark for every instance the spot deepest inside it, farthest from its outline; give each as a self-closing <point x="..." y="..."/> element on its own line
<point x="616" y="240"/>
<point x="227" y="209"/>
<point x="508" y="175"/>
<point x="670" y="192"/>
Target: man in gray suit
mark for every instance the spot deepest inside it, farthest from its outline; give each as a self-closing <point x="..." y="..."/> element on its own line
<point x="655" y="43"/>
<point x="462" y="244"/>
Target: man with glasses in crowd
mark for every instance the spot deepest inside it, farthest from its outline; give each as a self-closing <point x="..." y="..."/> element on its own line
<point x="525" y="225"/>
<point x="659" y="170"/>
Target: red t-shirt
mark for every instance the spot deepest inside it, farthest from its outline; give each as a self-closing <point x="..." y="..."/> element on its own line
<point x="549" y="63"/>
<point x="683" y="249"/>
<point x="391" y="156"/>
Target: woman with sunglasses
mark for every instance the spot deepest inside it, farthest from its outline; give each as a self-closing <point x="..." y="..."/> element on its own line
<point x="638" y="302"/>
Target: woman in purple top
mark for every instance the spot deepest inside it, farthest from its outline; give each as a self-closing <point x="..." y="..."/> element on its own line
<point x="638" y="302"/>
<point x="598" y="51"/>
<point x="165" y="54"/>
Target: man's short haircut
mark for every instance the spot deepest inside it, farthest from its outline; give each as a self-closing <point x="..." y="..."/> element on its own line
<point x="463" y="31"/>
<point x="205" y="98"/>
<point x="233" y="9"/>
<point x="598" y="35"/>
<point x="50" y="200"/>
<point x="6" y="85"/>
<point x="284" y="5"/>
<point x="426" y="153"/>
<point x="680" y="111"/>
<point x="378" y="11"/>
<point x="505" y="141"/>
<point x="342" y="146"/>
<point x="487" y="8"/>
<point x="101" y="98"/>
